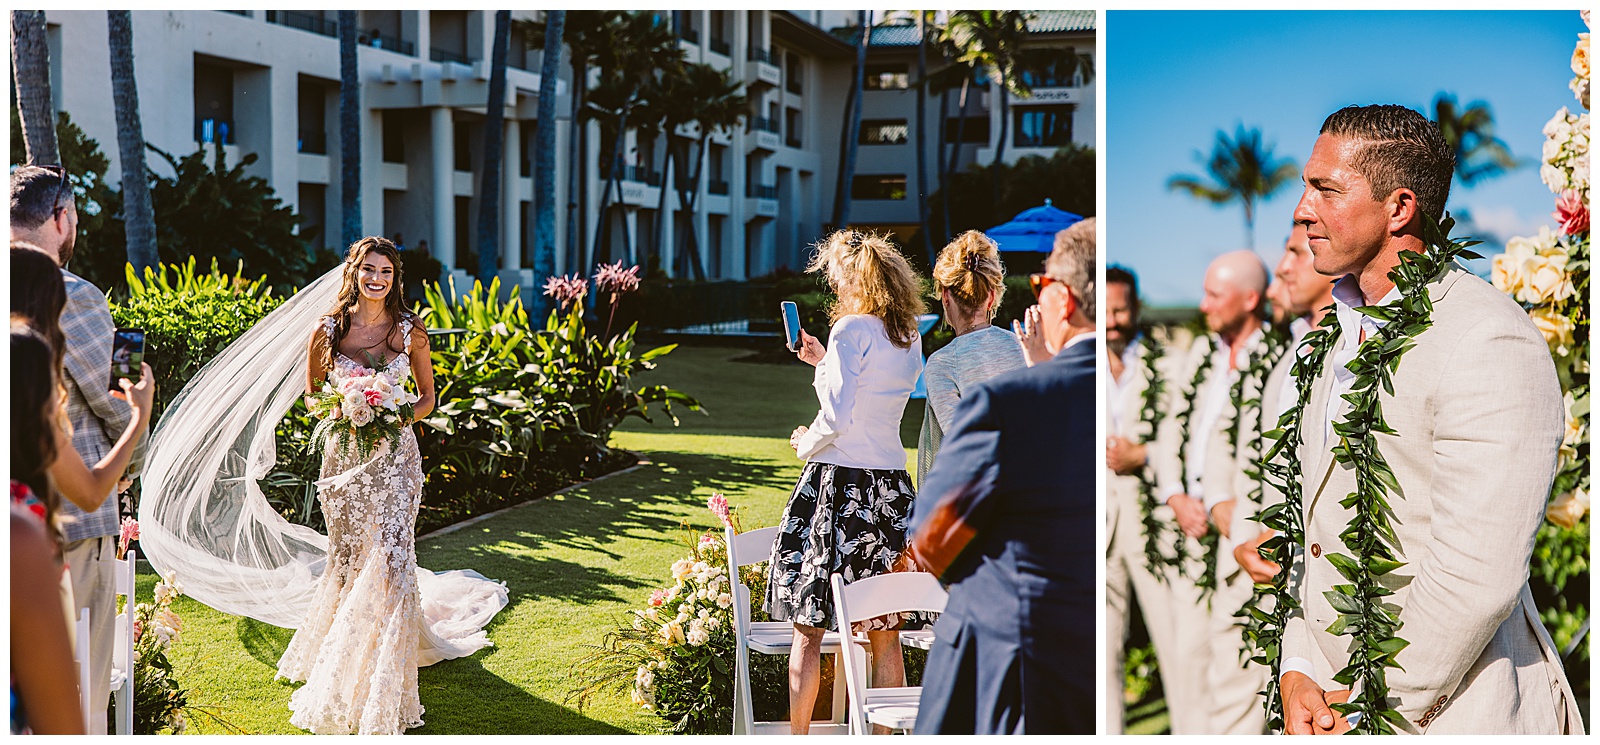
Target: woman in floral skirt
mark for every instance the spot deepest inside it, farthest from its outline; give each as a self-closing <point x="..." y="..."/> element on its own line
<point x="850" y="511"/>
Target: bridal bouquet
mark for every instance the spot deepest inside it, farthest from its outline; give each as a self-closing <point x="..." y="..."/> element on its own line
<point x="369" y="408"/>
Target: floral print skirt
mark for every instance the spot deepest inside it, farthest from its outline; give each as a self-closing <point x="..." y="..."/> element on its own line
<point x="851" y="521"/>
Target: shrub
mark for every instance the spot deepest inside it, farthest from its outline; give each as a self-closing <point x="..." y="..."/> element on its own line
<point x="188" y="317"/>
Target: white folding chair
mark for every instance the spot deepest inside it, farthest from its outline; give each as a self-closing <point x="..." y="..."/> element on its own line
<point x="766" y="637"/>
<point x="122" y="651"/>
<point x="894" y="707"/>
<point x="122" y="654"/>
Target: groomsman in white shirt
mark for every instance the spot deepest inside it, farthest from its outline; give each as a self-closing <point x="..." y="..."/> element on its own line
<point x="1234" y="306"/>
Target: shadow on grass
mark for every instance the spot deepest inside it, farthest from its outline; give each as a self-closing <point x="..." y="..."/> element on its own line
<point x="461" y="697"/>
<point x="262" y="641"/>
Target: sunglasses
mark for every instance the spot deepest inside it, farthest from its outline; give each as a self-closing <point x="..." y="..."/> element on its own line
<point x="1037" y="283"/>
<point x="63" y="186"/>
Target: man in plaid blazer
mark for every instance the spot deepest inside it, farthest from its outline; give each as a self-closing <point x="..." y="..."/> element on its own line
<point x="44" y="213"/>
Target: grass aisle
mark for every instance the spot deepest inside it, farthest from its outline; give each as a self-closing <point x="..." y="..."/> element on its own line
<point x="573" y="564"/>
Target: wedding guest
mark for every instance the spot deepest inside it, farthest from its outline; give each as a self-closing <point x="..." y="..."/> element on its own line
<point x="848" y="513"/>
<point x="38" y="296"/>
<point x="1007" y="519"/>
<point x="44" y="681"/>
<point x="44" y="213"/>
<point x="1475" y="421"/>
<point x="970" y="281"/>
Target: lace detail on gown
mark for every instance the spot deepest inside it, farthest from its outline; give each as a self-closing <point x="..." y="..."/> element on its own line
<point x="370" y="626"/>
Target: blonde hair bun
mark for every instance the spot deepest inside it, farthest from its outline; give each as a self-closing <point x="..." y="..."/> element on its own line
<point x="970" y="268"/>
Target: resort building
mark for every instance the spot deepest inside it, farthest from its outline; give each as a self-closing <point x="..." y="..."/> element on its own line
<point x="266" y="82"/>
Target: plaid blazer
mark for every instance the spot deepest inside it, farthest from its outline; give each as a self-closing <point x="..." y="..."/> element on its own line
<point x="98" y="419"/>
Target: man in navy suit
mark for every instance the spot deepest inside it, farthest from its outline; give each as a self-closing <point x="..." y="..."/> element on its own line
<point x="1006" y="518"/>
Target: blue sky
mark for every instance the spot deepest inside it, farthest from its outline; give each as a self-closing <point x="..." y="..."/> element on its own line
<point x="1174" y="78"/>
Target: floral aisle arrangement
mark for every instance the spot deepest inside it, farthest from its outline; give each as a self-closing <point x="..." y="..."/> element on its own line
<point x="1548" y="274"/>
<point x="159" y="701"/>
<point x="675" y="656"/>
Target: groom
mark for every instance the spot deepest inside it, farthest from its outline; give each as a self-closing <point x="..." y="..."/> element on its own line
<point x="1477" y="417"/>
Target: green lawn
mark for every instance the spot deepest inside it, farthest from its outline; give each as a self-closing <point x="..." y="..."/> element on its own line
<point x="574" y="563"/>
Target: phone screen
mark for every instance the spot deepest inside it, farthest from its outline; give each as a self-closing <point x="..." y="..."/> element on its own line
<point x="127" y="354"/>
<point x="791" y="325"/>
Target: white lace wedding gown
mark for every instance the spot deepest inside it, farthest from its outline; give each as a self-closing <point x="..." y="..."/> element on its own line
<point x="368" y="629"/>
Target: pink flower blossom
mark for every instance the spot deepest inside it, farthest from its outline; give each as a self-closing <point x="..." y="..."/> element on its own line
<point x="566" y="289"/>
<point x="614" y="279"/>
<point x="1572" y="213"/>
<point x="658" y="598"/>
<point x="718" y="505"/>
<point x="128" y="534"/>
<point x="374" y="398"/>
<point x="707" y="540"/>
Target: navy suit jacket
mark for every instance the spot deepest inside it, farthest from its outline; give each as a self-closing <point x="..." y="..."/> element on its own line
<point x="1015" y="649"/>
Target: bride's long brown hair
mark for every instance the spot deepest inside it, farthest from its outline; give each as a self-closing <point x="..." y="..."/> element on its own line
<point x="350" y="294"/>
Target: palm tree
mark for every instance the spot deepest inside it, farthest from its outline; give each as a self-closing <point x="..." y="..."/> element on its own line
<point x="715" y="101"/>
<point x="544" y="159"/>
<point x="644" y="48"/>
<point x="494" y="138"/>
<point x="1241" y="169"/>
<point x="138" y="212"/>
<point x="349" y="131"/>
<point x="993" y="41"/>
<point x="852" y="125"/>
<point x="588" y="34"/>
<point x="922" y="136"/>
<point x="30" y="61"/>
<point x="1470" y="134"/>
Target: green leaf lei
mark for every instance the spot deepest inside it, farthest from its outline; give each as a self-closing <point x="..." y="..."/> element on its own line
<point x="1179" y="559"/>
<point x="1364" y="615"/>
<point x="1150" y="420"/>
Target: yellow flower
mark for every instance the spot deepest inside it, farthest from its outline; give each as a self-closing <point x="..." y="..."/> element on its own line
<point x="1556" y="327"/>
<point x="1577" y="428"/>
<point x="1568" y="509"/>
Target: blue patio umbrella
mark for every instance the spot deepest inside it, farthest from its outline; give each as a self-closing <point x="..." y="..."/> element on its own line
<point x="1033" y="229"/>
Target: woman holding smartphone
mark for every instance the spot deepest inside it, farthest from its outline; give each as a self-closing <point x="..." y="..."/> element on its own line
<point x="849" y="512"/>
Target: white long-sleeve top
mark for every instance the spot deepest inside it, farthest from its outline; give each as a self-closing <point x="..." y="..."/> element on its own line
<point x="863" y="383"/>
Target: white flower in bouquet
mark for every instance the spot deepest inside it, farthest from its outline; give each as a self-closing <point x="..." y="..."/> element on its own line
<point x="700" y="594"/>
<point x="681" y="568"/>
<point x="165" y="593"/>
<point x="651" y="614"/>
<point x="353" y="399"/>
<point x="1568" y="509"/>
<point x="361" y="415"/>
<point x="672" y="633"/>
<point x="724" y="601"/>
<point x="713" y="623"/>
<point x="704" y="614"/>
<point x="698" y="637"/>
<point x="1577" y="427"/>
<point x="1556" y="327"/>
<point x="178" y="722"/>
<point x="638" y="623"/>
<point x="683" y="617"/>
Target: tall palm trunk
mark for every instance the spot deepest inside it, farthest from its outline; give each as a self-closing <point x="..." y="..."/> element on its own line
<point x="688" y="201"/>
<point x="999" y="153"/>
<point x="955" y="153"/>
<point x="941" y="160"/>
<point x="138" y="214"/>
<point x="349" y="132"/>
<point x="544" y="160"/>
<point x="922" y="137"/>
<point x="577" y="154"/>
<point x="30" y="63"/>
<point x="658" y="234"/>
<point x="847" y="172"/>
<point x="494" y="139"/>
<point x="602" y="226"/>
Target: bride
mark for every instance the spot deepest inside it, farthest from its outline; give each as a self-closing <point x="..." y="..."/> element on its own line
<point x="367" y="616"/>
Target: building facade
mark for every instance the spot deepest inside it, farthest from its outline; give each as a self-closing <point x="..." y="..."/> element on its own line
<point x="266" y="82"/>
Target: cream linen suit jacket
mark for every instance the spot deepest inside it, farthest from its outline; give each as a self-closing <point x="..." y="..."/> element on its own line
<point x="1479" y="417"/>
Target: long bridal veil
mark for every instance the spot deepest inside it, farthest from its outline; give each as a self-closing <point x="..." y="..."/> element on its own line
<point x="204" y="519"/>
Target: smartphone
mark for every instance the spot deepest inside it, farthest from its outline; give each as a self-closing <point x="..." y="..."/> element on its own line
<point x="791" y="325"/>
<point x="127" y="354"/>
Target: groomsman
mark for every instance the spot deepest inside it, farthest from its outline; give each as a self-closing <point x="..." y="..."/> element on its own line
<point x="1306" y="297"/>
<point x="1234" y="306"/>
<point x="1134" y="360"/>
<point x="1477" y="417"/>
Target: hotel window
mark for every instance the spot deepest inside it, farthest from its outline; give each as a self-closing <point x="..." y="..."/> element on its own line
<point x="1043" y="126"/>
<point x="887" y="78"/>
<point x="883" y="132"/>
<point x="891" y="186"/>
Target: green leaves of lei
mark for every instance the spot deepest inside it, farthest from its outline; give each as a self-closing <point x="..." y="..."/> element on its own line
<point x="1150" y="420"/>
<point x="1364" y="615"/>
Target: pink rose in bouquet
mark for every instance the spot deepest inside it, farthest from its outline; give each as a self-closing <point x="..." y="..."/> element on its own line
<point x="1572" y="213"/>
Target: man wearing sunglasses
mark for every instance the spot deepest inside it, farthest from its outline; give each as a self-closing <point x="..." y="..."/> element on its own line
<point x="1006" y="517"/>
<point x="43" y="213"/>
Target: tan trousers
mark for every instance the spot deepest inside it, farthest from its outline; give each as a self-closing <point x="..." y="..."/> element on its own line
<point x="1232" y="683"/>
<point x="91" y="562"/>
